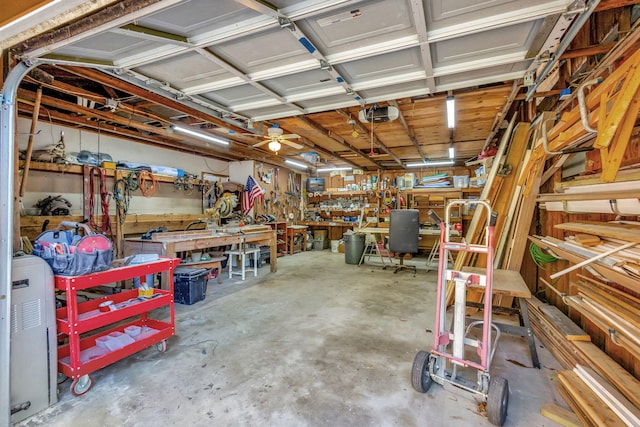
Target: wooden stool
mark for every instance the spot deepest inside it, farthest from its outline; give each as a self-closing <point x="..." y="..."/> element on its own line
<point x="242" y="253"/>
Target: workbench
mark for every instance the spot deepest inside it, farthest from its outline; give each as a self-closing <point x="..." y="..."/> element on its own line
<point x="292" y="232"/>
<point x="335" y="230"/>
<point x="171" y="243"/>
<point x="510" y="284"/>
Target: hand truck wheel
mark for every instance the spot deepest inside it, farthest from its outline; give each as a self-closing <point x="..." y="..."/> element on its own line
<point x="420" y="372"/>
<point x="498" y="400"/>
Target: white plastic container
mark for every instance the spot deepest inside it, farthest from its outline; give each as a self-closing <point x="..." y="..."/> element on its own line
<point x="102" y="341"/>
<point x="461" y="181"/>
<point x="133" y="330"/>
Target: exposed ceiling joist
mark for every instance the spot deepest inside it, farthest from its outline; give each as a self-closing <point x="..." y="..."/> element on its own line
<point x="375" y="139"/>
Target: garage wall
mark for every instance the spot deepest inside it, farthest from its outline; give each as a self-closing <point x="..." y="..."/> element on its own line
<point x="42" y="184"/>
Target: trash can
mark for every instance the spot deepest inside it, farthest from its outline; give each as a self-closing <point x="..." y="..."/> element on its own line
<point x="353" y="247"/>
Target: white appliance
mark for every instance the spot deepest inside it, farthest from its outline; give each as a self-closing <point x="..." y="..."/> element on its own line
<point x="34" y="348"/>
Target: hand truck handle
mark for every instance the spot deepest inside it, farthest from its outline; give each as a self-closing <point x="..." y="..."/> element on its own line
<point x="434" y="216"/>
<point x="494" y="219"/>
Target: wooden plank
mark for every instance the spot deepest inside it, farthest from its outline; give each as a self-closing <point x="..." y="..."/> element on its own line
<point x="628" y="385"/>
<point x="547" y="332"/>
<point x="616" y="231"/>
<point x="623" y="103"/>
<point x="610" y="395"/>
<point x="505" y="282"/>
<point x="587" y="239"/>
<point x="32" y="132"/>
<point x="565" y="326"/>
<point x="475" y="228"/>
<point x="560" y="415"/>
<point x="593" y="407"/>
<point x="590" y="260"/>
<point x="619" y="278"/>
<point x="574" y="406"/>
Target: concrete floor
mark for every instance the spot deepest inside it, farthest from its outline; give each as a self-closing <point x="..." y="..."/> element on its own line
<point x="318" y="343"/>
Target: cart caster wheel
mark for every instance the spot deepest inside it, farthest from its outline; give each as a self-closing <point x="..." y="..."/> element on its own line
<point x="420" y="372"/>
<point x="498" y="401"/>
<point x="81" y="385"/>
<point x="162" y="346"/>
<point x="61" y="378"/>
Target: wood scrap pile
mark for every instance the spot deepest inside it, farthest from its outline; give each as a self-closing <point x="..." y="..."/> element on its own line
<point x="604" y="393"/>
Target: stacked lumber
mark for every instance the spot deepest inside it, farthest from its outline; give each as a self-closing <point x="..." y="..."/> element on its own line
<point x="557" y="332"/>
<point x="595" y="400"/>
<point x="502" y="193"/>
<point x="610" y="311"/>
<point x="616" y="258"/>
<point x="613" y="109"/>
<point x="605" y="393"/>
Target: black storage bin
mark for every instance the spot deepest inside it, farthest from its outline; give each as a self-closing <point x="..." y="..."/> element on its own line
<point x="189" y="284"/>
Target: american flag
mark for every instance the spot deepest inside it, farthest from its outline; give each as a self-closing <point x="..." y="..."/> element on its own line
<point x="252" y="191"/>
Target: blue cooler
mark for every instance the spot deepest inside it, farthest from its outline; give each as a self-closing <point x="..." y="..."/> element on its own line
<point x="189" y="284"/>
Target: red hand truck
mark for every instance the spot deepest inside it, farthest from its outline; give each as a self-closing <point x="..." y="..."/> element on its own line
<point x="443" y="363"/>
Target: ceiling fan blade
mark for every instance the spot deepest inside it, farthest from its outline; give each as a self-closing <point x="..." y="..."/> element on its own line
<point x="261" y="143"/>
<point x="290" y="136"/>
<point x="292" y="144"/>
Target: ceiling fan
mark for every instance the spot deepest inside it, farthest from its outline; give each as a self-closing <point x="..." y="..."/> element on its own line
<point x="276" y="137"/>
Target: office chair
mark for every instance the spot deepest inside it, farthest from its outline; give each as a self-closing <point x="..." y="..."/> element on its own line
<point x="404" y="233"/>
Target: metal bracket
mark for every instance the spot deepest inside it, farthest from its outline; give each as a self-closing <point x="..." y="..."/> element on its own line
<point x="584" y="114"/>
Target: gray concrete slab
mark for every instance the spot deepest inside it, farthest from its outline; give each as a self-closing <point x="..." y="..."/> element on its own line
<point x="319" y="343"/>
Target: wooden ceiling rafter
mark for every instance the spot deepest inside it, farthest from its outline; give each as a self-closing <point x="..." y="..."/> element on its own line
<point x="407" y="129"/>
<point x="84" y="93"/>
<point x="105" y="79"/>
<point x="75" y="121"/>
<point x="337" y="138"/>
<point x="123" y="122"/>
<point x="376" y="140"/>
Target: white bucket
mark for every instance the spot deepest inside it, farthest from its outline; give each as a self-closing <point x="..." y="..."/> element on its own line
<point x="334" y="245"/>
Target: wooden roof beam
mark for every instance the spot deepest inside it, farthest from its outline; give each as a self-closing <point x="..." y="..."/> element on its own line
<point x="340" y="140"/>
<point x="116" y="83"/>
<point x="77" y="91"/>
<point x="80" y="122"/>
<point x="407" y="129"/>
<point x="376" y="141"/>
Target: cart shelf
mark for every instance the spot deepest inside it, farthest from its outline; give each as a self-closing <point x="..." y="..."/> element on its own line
<point x="93" y="358"/>
<point x="80" y="357"/>
<point x="90" y="317"/>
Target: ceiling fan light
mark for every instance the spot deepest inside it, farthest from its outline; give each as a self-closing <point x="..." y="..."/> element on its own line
<point x="274" y="146"/>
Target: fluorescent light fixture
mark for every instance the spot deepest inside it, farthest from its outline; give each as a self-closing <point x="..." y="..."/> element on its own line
<point x="425" y="164"/>
<point x="451" y="112"/>
<point x="452" y="151"/>
<point x="334" y="169"/>
<point x="296" y="164"/>
<point x="199" y="135"/>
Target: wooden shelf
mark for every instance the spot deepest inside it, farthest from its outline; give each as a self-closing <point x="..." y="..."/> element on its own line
<point x="78" y="170"/>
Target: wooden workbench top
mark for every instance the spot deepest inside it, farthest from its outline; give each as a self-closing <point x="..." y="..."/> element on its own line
<point x="505" y="282"/>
